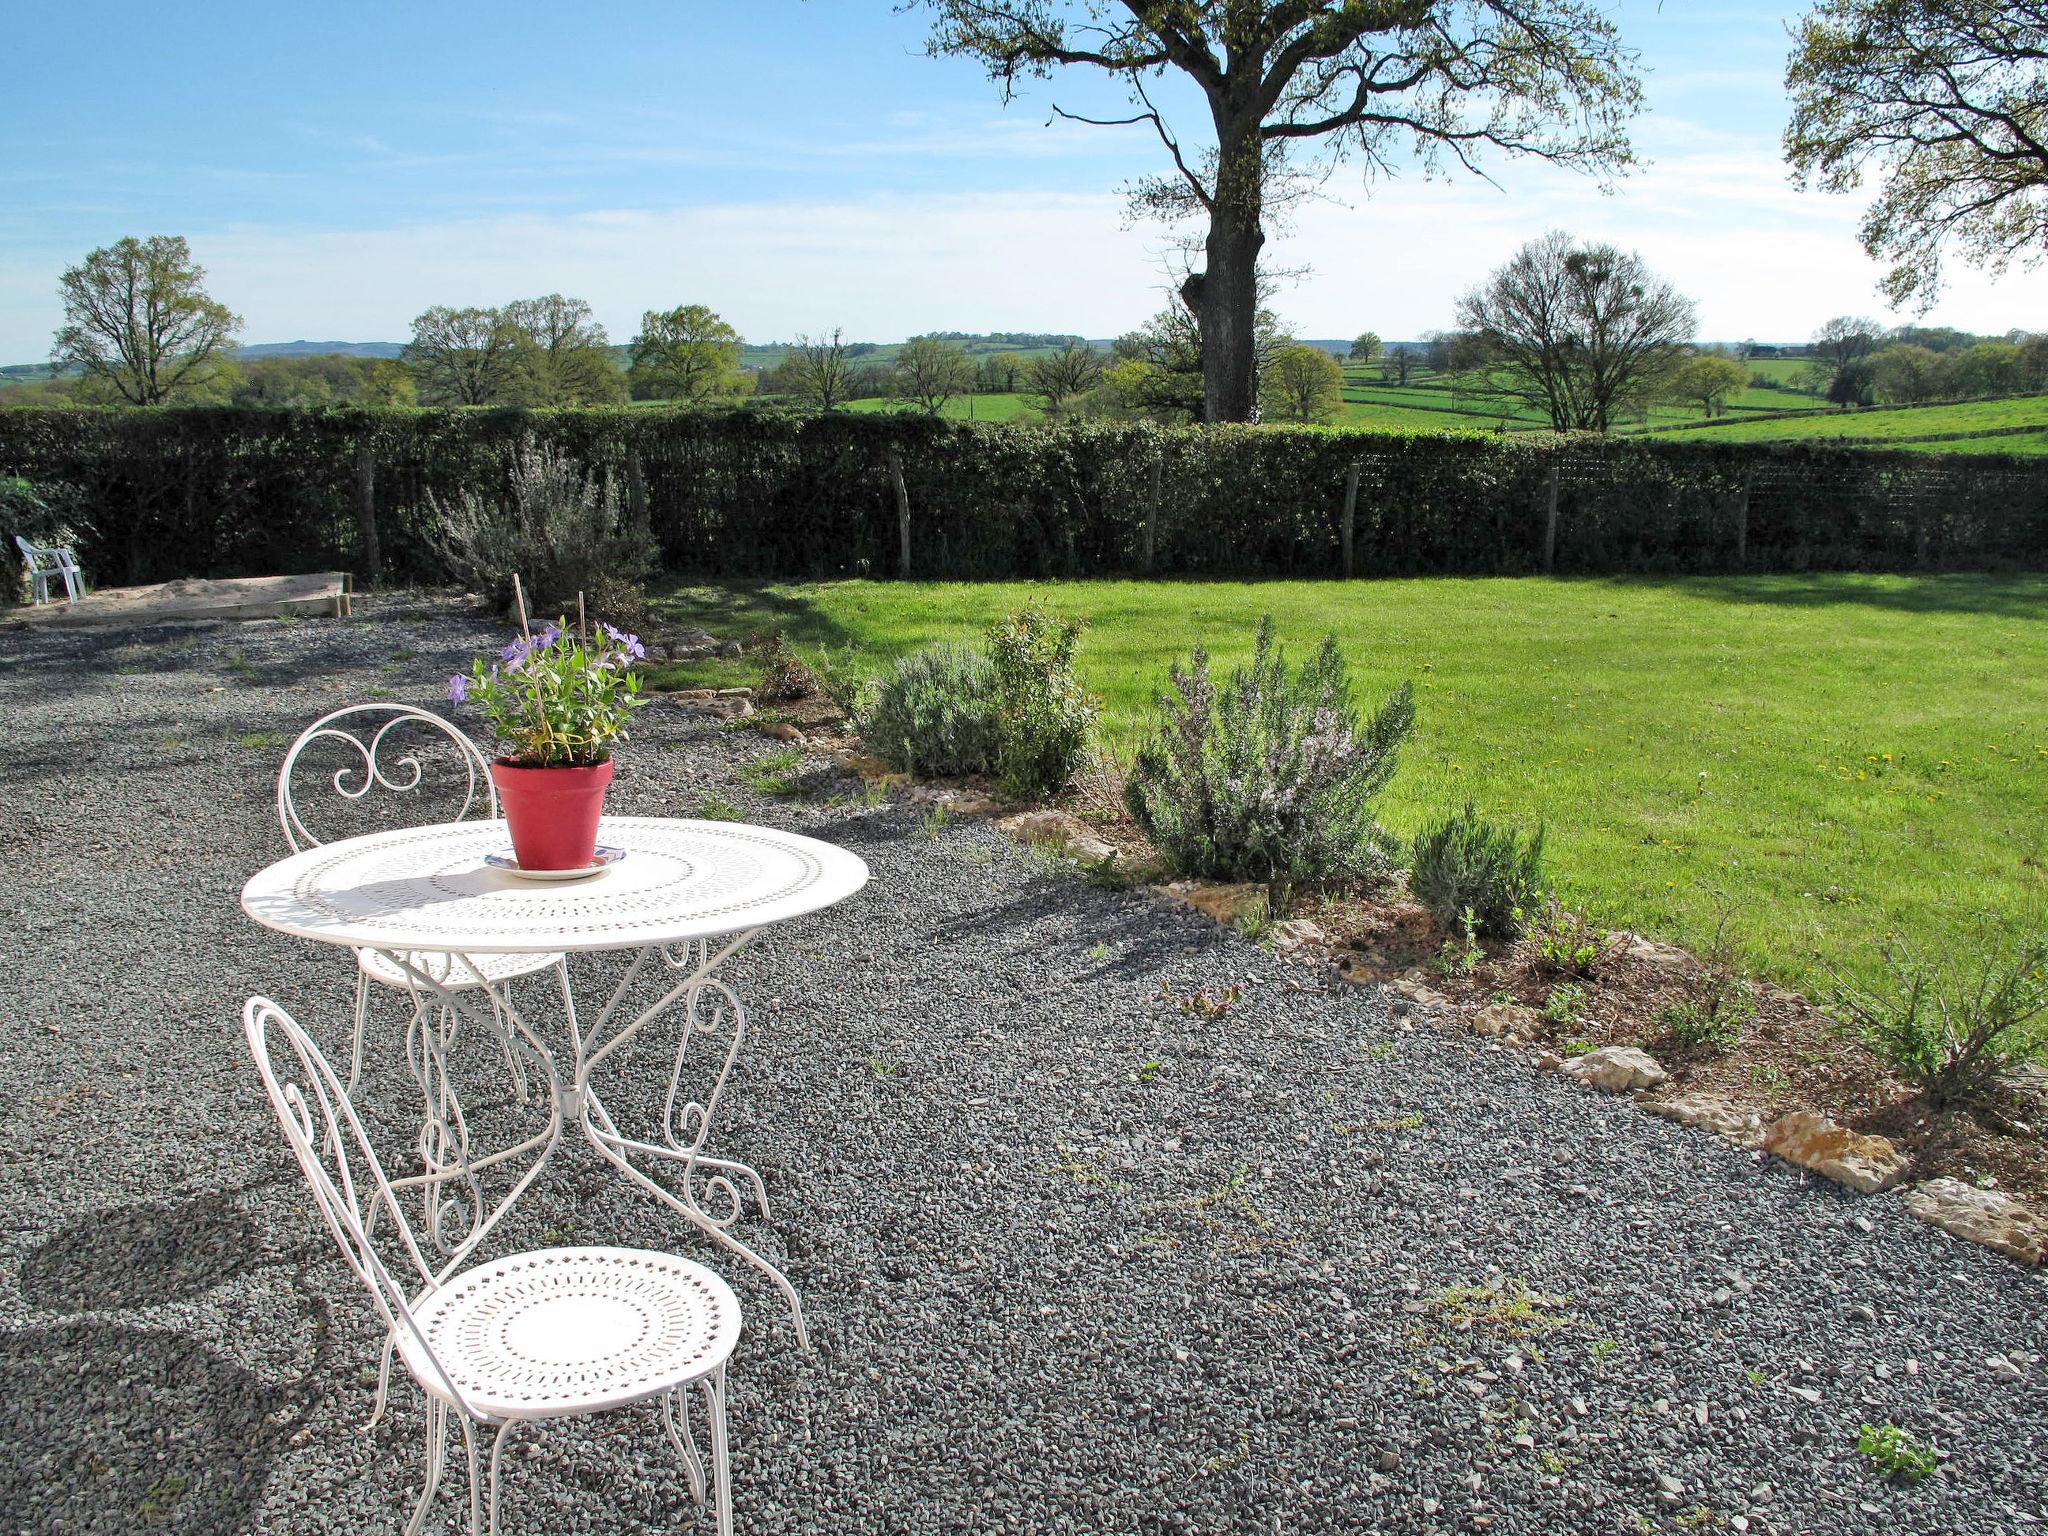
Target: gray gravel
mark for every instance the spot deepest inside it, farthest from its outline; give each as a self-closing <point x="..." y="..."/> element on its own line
<point x="1074" y="1261"/>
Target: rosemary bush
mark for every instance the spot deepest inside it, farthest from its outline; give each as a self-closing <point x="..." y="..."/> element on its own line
<point x="1953" y="1022"/>
<point x="1468" y="869"/>
<point x="1273" y="777"/>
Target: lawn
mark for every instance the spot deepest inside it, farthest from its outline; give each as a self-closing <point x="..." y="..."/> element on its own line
<point x="1842" y="756"/>
<point x="1009" y="407"/>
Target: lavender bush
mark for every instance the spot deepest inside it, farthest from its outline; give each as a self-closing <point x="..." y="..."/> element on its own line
<point x="1274" y="777"/>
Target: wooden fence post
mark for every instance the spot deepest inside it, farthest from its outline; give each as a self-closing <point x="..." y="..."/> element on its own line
<point x="902" y="512"/>
<point x="1550" y="519"/>
<point x="1152" y="515"/>
<point x="1350" y="524"/>
<point x="1742" y="516"/>
<point x="366" y="513"/>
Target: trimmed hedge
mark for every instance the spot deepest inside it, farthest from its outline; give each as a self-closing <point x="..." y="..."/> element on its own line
<point x="753" y="493"/>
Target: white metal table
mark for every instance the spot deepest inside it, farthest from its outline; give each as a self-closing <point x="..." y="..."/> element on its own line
<point x="687" y="896"/>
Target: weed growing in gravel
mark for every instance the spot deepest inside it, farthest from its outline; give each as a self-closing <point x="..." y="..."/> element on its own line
<point x="873" y="792"/>
<point x="976" y="854"/>
<point x="1256" y="925"/>
<point x="1201" y="1004"/>
<point x="241" y="666"/>
<point x="778" y="773"/>
<point x="1236" y="1458"/>
<point x="1083" y="1170"/>
<point x="1402" y="1123"/>
<point x="1602" y="1348"/>
<point x="1895" y="1454"/>
<point x="256" y="741"/>
<point x="161" y="1500"/>
<point x="1229" y="1195"/>
<point x="934" y="821"/>
<point x="882" y="1067"/>
<point x="1555" y="1463"/>
<point x="1575" y="1048"/>
<point x="716" y="807"/>
<point x="1508" y="1306"/>
<point x="1563" y="1007"/>
<point x="1146" y="1073"/>
<point x="1098" y="952"/>
<point x="376" y="693"/>
<point x="1384" y="1051"/>
<point x="174" y="741"/>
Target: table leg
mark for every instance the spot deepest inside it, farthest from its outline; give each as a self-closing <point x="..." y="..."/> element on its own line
<point x="712" y="1191"/>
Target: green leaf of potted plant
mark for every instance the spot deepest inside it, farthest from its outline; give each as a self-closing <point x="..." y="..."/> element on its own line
<point x="556" y="704"/>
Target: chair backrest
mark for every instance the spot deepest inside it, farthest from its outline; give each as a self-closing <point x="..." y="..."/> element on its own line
<point x="366" y="733"/>
<point x="46" y="557"/>
<point x="348" y="1182"/>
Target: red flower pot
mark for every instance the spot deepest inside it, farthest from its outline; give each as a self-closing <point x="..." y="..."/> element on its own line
<point x="552" y="812"/>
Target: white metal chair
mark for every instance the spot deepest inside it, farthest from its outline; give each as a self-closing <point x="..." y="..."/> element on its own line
<point x="552" y="1334"/>
<point x="47" y="560"/>
<point x="363" y="769"/>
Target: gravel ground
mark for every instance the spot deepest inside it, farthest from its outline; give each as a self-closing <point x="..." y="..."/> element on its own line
<point x="1074" y="1261"/>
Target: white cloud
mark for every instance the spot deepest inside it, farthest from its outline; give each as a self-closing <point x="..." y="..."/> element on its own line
<point x="1718" y="220"/>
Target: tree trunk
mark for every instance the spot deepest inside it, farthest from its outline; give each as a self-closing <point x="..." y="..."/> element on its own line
<point x="1225" y="297"/>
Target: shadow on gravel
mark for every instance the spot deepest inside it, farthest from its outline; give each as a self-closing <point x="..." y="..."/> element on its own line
<point x="115" y="1429"/>
<point x="140" y="1255"/>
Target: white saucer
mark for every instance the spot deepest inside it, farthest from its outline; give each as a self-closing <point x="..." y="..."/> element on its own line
<point x="606" y="857"/>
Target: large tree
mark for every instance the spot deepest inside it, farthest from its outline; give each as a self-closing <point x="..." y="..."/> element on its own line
<point x="1303" y="384"/>
<point x="1708" y="381"/>
<point x="1582" y="333"/>
<point x="685" y="353"/>
<point x="1438" y="81"/>
<point x="466" y="356"/>
<point x="929" y="372"/>
<point x="567" y="359"/>
<point x="820" y="370"/>
<point x="1946" y="103"/>
<point x="1057" y="377"/>
<point x="139" y="322"/>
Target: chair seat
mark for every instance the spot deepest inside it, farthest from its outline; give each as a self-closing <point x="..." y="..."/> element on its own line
<point x="495" y="968"/>
<point x="564" y="1331"/>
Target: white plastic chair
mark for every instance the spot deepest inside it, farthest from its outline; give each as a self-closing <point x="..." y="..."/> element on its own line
<point x="366" y="770"/>
<point x="47" y="560"/>
<point x="552" y="1334"/>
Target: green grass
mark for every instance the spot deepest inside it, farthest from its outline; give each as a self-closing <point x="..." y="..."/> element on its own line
<point x="1014" y="407"/>
<point x="1841" y="755"/>
<point x="1890" y="424"/>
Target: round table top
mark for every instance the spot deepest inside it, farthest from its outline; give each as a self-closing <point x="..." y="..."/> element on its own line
<point x="428" y="889"/>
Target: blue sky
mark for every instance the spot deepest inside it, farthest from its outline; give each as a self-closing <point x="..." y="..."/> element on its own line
<point x="799" y="164"/>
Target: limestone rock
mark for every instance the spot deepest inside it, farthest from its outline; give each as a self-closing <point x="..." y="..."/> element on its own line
<point x="1061" y="830"/>
<point x="1416" y="993"/>
<point x="1744" y="1127"/>
<point x="958" y="802"/>
<point x="782" y="730"/>
<point x="1983" y="1216"/>
<point x="1863" y="1163"/>
<point x="1225" y="903"/>
<point x="1504" y="1019"/>
<point x="1665" y="957"/>
<point x="1617" y="1069"/>
<point x="1298" y="933"/>
<point x="726" y="707"/>
<point x="735" y="693"/>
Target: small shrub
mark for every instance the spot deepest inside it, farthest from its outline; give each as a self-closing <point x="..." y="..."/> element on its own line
<point x="1467" y="864"/>
<point x="1896" y="1454"/>
<point x="1565" y="1005"/>
<point x="776" y="773"/>
<point x="1274" y="777"/>
<point x="1717" y="1002"/>
<point x="839" y="676"/>
<point x="1565" y="940"/>
<point x="785" y="677"/>
<point x="934" y="714"/>
<point x="1044" y="716"/>
<point x="562" y="531"/>
<point x="1953" y="1024"/>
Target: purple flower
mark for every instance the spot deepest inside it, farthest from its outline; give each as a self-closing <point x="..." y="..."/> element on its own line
<point x="458" y="688"/>
<point x="516" y="651"/>
<point x="547" y="637"/>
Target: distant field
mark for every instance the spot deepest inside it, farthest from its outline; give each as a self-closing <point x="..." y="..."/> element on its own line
<point x="1840" y="755"/>
<point x="1371" y="401"/>
<point x="1016" y="407"/>
<point x="1896" y="424"/>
